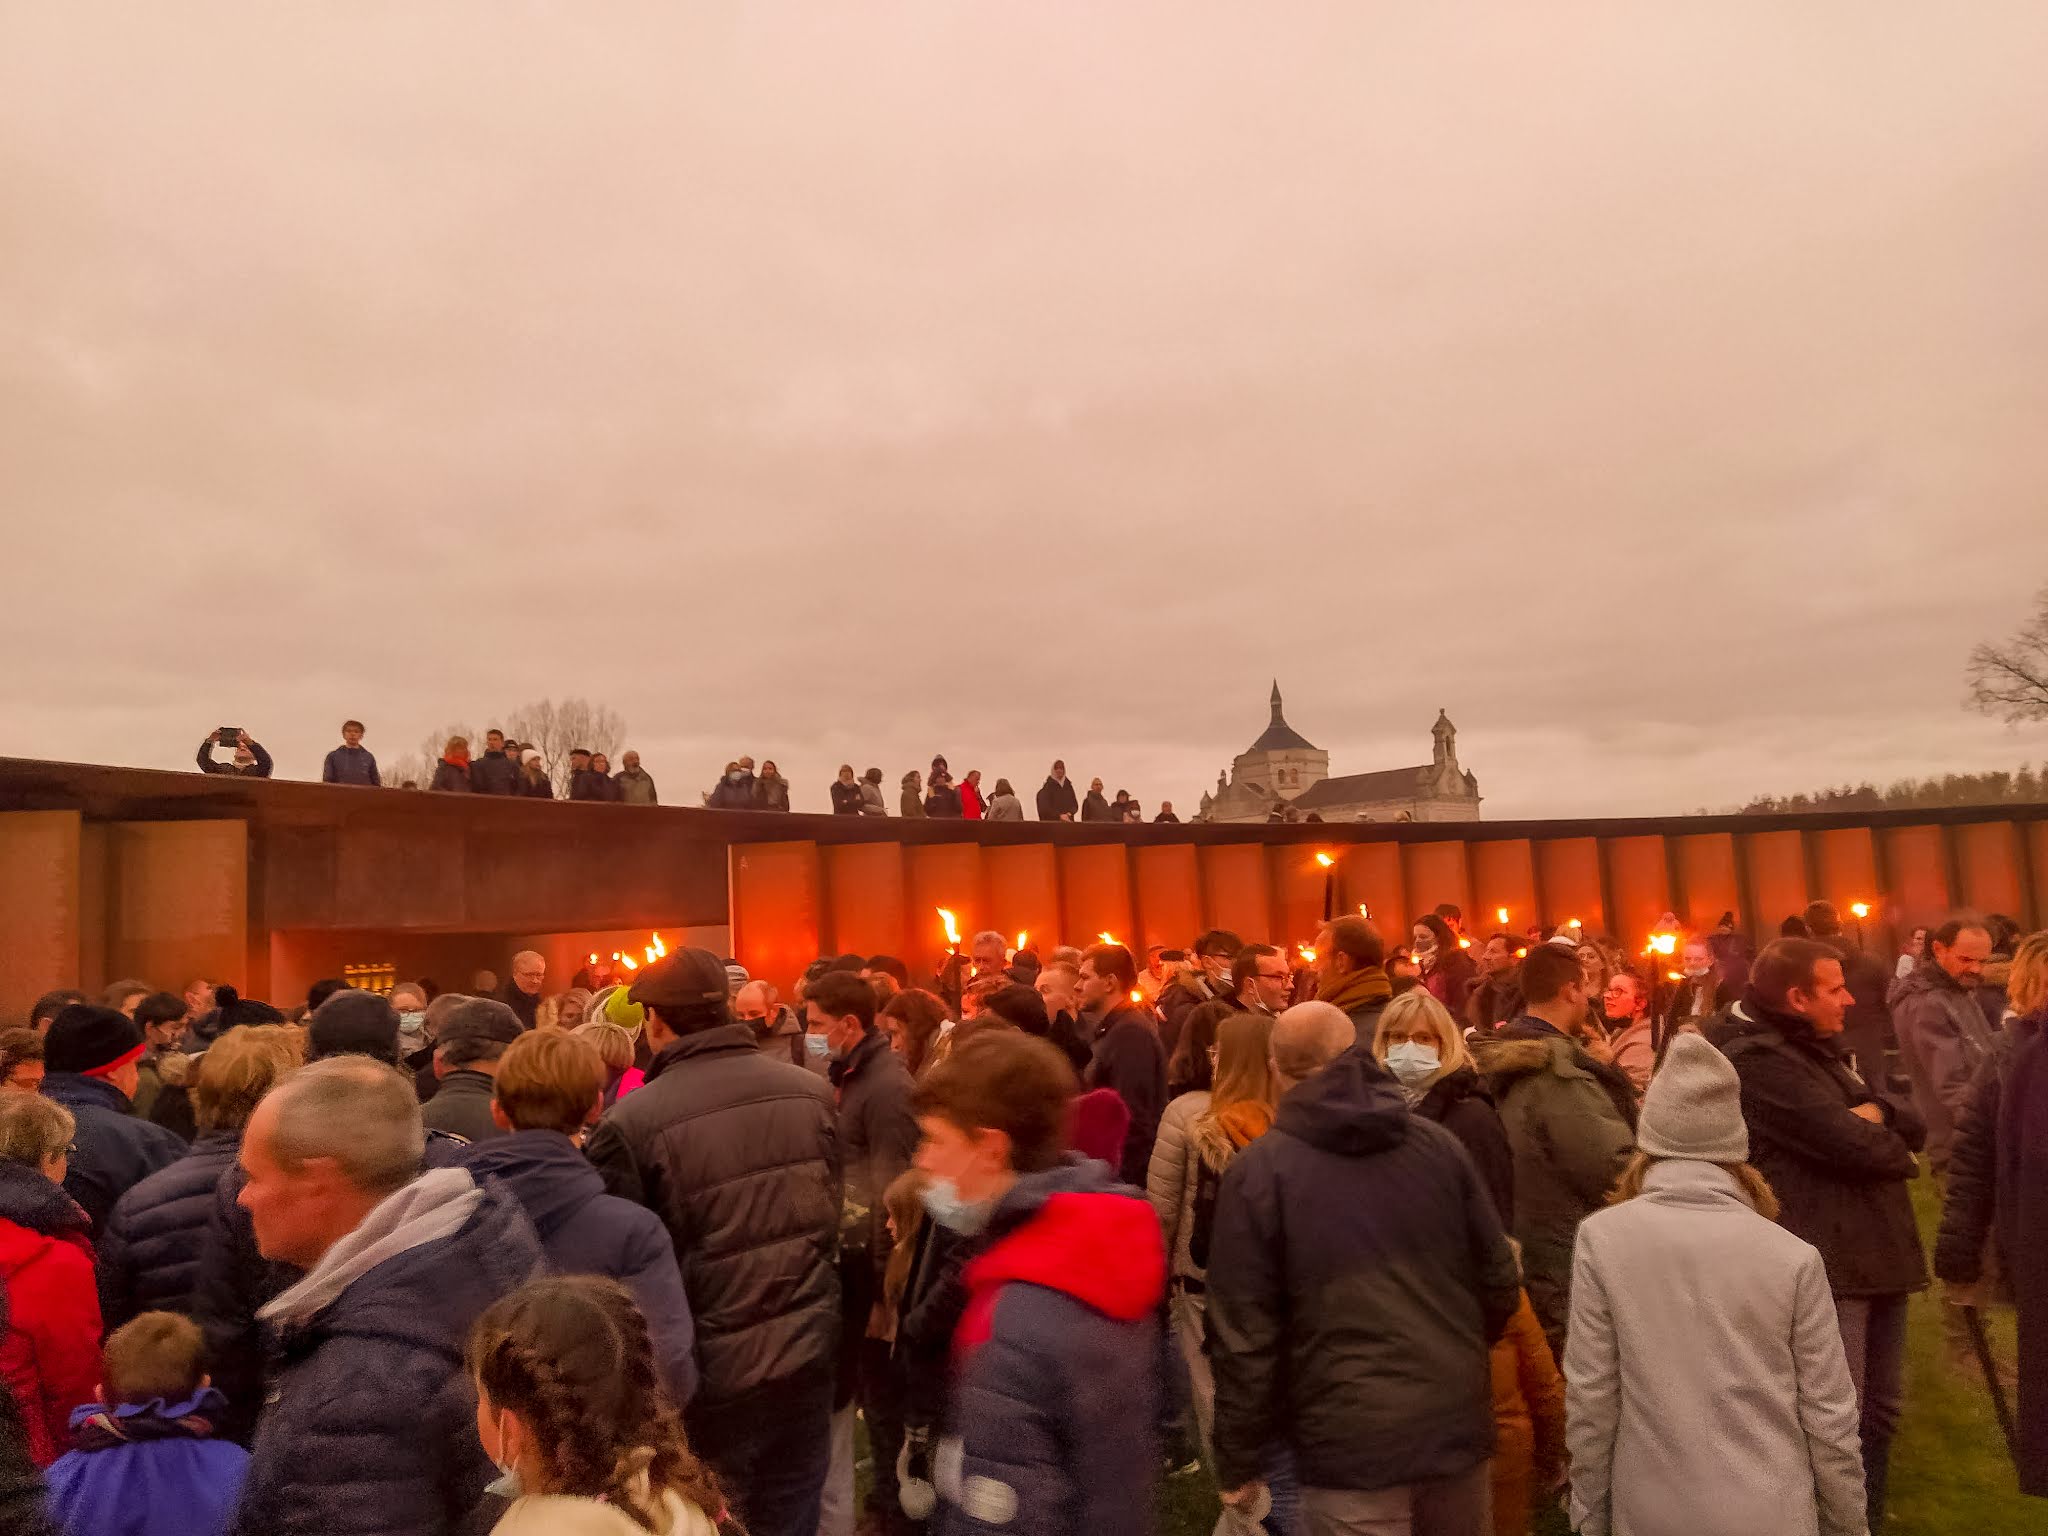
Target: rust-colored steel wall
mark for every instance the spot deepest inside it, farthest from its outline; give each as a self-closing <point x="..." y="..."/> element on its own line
<point x="881" y="897"/>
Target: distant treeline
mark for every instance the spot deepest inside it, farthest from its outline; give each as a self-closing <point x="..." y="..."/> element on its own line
<point x="2027" y="786"/>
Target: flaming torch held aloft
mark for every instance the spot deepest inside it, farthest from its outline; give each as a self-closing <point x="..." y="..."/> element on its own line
<point x="949" y="968"/>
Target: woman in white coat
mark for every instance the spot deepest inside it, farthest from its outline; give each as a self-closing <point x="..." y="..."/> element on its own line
<point x="1706" y="1393"/>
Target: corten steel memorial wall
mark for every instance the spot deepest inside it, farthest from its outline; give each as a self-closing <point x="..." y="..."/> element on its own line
<point x="109" y="872"/>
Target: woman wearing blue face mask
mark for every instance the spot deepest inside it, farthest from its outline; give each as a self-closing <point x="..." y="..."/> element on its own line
<point x="1419" y="1043"/>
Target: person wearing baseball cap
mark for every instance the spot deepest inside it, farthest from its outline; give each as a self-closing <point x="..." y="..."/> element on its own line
<point x="466" y="1052"/>
<point x="90" y="1060"/>
<point x="737" y="1153"/>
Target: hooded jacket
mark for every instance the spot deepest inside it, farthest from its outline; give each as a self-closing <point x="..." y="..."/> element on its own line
<point x="1840" y="1179"/>
<point x="350" y="765"/>
<point x="584" y="1231"/>
<point x="113" y="1151"/>
<point x="50" y="1347"/>
<point x="1942" y="1040"/>
<point x="1056" y="798"/>
<point x="911" y="803"/>
<point x="738" y="1154"/>
<point x="1707" y="1392"/>
<point x="1358" y="1278"/>
<point x="370" y="1426"/>
<point x="148" y="1469"/>
<point x="1055" y="1404"/>
<point x="1569" y="1140"/>
<point x="149" y="1254"/>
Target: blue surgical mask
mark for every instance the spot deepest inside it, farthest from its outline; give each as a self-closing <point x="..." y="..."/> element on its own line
<point x="943" y="1204"/>
<point x="817" y="1046"/>
<point x="1412" y="1063"/>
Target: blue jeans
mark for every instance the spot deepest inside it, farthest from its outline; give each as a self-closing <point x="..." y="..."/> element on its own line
<point x="770" y="1450"/>
<point x="1874" y="1339"/>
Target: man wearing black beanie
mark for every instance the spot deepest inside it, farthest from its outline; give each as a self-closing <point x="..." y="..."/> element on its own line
<point x="352" y="1023"/>
<point x="90" y="1059"/>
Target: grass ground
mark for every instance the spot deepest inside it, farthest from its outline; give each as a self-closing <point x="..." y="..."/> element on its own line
<point x="1950" y="1472"/>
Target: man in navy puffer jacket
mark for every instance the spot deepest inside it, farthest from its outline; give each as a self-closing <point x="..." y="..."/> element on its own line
<point x="370" y="1425"/>
<point x="547" y="1088"/>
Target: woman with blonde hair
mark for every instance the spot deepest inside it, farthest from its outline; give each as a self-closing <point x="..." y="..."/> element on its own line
<point x="614" y="1046"/>
<point x="50" y="1338"/>
<point x="565" y="1010"/>
<point x="1420" y="1044"/>
<point x="1182" y="1180"/>
<point x="1751" y="1365"/>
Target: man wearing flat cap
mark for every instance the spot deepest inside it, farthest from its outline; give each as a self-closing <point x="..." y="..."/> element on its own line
<point x="738" y="1154"/>
<point x="466" y="1052"/>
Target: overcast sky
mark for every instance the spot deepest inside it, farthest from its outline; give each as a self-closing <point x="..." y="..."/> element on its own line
<point x="1661" y="389"/>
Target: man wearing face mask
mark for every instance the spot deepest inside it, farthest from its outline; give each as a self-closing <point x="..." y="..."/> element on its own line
<point x="1259" y="979"/>
<point x="735" y="792"/>
<point x="877" y="1138"/>
<point x="1206" y="981"/>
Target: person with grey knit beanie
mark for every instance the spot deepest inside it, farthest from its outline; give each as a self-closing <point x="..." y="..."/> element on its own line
<point x="1706" y="1390"/>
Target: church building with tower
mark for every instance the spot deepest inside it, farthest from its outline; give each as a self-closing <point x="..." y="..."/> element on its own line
<point x="1283" y="777"/>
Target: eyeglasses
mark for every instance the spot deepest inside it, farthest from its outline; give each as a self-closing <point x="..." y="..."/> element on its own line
<point x="1272" y="975"/>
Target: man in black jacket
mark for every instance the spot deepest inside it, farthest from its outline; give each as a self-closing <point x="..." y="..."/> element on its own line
<point x="1056" y="800"/>
<point x="351" y="762"/>
<point x="738" y="1154"/>
<point x="473" y="1036"/>
<point x="877" y="1140"/>
<point x="90" y="1060"/>
<point x="1358" y="1277"/>
<point x="250" y="760"/>
<point x="1839" y="1156"/>
<point x="1094" y="805"/>
<point x="1867" y="1027"/>
<point x="521" y="991"/>
<point x="1128" y="1057"/>
<point x="497" y="771"/>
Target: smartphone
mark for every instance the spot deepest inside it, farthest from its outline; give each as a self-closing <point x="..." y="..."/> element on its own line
<point x="230" y="735"/>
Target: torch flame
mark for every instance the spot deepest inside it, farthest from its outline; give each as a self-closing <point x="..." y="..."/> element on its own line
<point x="1021" y="937"/>
<point x="1137" y="997"/>
<point x="1464" y="943"/>
<point x="1674" y="975"/>
<point x="1306" y="953"/>
<point x="660" y="949"/>
<point x="629" y="962"/>
<point x="650" y="954"/>
<point x="593" y="957"/>
<point x="1361" y="910"/>
<point x="1663" y="944"/>
<point x="1573" y="922"/>
<point x="952" y="927"/>
<point x="1325" y="860"/>
<point x="1502" y="914"/>
<point x="1860" y="908"/>
<point x="1107" y="938"/>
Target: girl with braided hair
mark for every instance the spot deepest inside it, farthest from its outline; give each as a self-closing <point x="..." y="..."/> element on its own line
<point x="571" y="1407"/>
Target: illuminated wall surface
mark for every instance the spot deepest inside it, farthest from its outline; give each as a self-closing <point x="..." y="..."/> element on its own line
<point x="111" y="872"/>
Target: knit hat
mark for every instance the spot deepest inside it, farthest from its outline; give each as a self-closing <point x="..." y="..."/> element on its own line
<point x="736" y="976"/>
<point x="91" y="1041"/>
<point x="352" y="1023"/>
<point x="1694" y="1107"/>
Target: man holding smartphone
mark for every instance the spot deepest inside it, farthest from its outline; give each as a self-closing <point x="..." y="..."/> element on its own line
<point x="250" y="760"/>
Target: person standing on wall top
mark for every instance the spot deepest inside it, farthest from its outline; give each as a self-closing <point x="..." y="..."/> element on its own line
<point x="351" y="762"/>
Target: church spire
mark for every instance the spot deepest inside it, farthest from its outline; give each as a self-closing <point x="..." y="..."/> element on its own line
<point x="1276" y="703"/>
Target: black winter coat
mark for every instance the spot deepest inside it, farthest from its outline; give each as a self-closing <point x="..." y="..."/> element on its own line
<point x="451" y="778"/>
<point x="1095" y="808"/>
<point x="495" y="773"/>
<point x="589" y="784"/>
<point x="350" y="765"/>
<point x="112" y="1151"/>
<point x="371" y="1427"/>
<point x="942" y="802"/>
<point x="877" y="1138"/>
<point x="1840" y="1179"/>
<point x="462" y="1106"/>
<point x="771" y="794"/>
<point x="739" y="1156"/>
<point x="542" y="788"/>
<point x="584" y="1231"/>
<point x="1056" y="799"/>
<point x="1358" y="1277"/>
<point x="1129" y="1059"/>
<point x="933" y="1297"/>
<point x="1968" y="1210"/>
<point x="2023" y="1236"/>
<point x="525" y="1004"/>
<point x="845" y="798"/>
<point x="149" y="1254"/>
<point x="1460" y="1103"/>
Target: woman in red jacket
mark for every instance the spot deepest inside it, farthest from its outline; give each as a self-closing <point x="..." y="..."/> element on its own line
<point x="971" y="804"/>
<point x="50" y="1352"/>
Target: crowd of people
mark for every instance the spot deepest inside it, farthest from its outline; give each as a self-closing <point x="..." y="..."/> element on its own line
<point x="508" y="766"/>
<point x="1419" y="1240"/>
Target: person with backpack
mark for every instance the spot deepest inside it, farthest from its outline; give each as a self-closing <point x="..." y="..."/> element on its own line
<point x="1199" y="1135"/>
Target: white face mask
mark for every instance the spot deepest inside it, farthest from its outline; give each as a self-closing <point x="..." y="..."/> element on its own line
<point x="507" y="1483"/>
<point x="1412" y="1062"/>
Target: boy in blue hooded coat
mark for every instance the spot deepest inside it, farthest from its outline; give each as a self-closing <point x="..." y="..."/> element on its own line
<point x="147" y="1463"/>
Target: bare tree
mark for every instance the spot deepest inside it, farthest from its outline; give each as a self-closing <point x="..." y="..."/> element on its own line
<point x="2011" y="680"/>
<point x="418" y="766"/>
<point x="557" y="729"/>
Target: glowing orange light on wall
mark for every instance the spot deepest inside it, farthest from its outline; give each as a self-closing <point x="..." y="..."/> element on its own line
<point x="1325" y="860"/>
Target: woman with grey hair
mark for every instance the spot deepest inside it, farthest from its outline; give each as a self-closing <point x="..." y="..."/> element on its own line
<point x="50" y="1350"/>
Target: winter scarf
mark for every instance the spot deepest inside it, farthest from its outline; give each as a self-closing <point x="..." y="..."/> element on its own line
<point x="1356" y="989"/>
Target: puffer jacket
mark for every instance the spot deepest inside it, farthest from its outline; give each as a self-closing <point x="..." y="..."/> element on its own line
<point x="871" y="803"/>
<point x="1170" y="1181"/>
<point x="1569" y="1139"/>
<point x="112" y="1151"/>
<point x="1358" y="1278"/>
<point x="584" y="1231"/>
<point x="149" y="1254"/>
<point x="50" y="1345"/>
<point x="1053" y="1425"/>
<point x="1458" y="1101"/>
<point x="494" y="773"/>
<point x="739" y="1156"/>
<point x="371" y="1425"/>
<point x="1969" y="1207"/>
<point x="1841" y="1181"/>
<point x="1942" y="1040"/>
